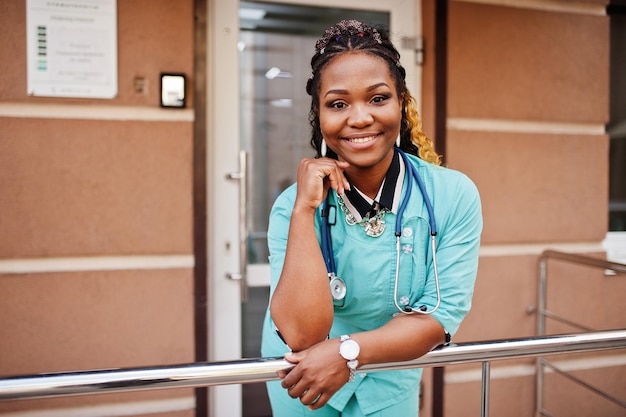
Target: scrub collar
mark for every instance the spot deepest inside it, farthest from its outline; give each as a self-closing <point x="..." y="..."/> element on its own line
<point x="388" y="196"/>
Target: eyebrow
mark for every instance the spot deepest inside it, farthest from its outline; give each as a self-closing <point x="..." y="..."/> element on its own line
<point x="370" y="88"/>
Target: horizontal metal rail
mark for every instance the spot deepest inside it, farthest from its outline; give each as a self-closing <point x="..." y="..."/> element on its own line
<point x="265" y="369"/>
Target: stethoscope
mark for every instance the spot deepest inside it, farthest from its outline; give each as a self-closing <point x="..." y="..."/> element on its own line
<point x="338" y="286"/>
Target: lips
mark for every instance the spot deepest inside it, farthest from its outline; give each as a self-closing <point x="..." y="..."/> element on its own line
<point x="364" y="139"/>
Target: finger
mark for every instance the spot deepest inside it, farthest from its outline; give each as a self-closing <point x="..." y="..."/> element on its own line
<point x="314" y="178"/>
<point x="291" y="379"/>
<point x="309" y="396"/>
<point x="319" y="402"/>
<point x="337" y="180"/>
<point x="288" y="382"/>
<point x="343" y="166"/>
<point x="296" y="390"/>
<point x="292" y="357"/>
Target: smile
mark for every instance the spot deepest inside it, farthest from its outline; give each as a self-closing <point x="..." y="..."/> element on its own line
<point x="362" y="140"/>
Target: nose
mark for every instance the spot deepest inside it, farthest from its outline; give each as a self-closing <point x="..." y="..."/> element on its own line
<point x="360" y="116"/>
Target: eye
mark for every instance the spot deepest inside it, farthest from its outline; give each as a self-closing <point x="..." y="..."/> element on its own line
<point x="337" y="105"/>
<point x="380" y="99"/>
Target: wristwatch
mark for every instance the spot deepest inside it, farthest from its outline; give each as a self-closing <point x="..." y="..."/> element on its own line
<point x="349" y="350"/>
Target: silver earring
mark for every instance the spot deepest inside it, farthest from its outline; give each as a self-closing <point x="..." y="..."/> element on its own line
<point x="323" y="148"/>
<point x="398" y="141"/>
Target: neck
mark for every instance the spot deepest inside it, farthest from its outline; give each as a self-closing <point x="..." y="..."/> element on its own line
<point x="369" y="180"/>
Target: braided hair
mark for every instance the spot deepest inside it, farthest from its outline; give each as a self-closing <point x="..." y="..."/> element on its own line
<point x="356" y="36"/>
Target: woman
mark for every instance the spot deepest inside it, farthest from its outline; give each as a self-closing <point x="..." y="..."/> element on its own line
<point x="364" y="123"/>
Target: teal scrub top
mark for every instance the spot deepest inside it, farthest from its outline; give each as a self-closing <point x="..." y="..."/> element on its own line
<point x="367" y="265"/>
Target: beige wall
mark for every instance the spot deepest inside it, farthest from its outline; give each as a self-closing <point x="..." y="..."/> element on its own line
<point x="97" y="182"/>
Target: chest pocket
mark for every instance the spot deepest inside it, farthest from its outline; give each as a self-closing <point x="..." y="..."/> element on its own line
<point x="414" y="261"/>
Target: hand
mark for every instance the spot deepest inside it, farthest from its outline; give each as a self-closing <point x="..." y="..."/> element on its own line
<point x="319" y="372"/>
<point x="316" y="176"/>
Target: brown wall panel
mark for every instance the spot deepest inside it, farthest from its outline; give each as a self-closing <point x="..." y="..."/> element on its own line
<point x="13" y="48"/>
<point x="586" y="296"/>
<point x="154" y="36"/>
<point x="508" y="397"/>
<point x="505" y="287"/>
<point x="163" y="42"/>
<point x="94" y="187"/>
<point x="512" y="63"/>
<point x="566" y="398"/>
<point x="72" y="321"/>
<point x="536" y="188"/>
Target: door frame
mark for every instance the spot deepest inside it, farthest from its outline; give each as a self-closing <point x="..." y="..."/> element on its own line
<point x="223" y="338"/>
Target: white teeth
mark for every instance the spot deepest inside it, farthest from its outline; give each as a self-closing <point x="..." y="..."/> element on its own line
<point x="362" y="140"/>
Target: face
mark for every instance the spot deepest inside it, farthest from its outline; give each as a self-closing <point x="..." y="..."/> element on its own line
<point x="360" y="110"/>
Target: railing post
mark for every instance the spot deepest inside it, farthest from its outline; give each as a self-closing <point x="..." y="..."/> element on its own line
<point x="484" y="389"/>
<point x="539" y="387"/>
<point x="541" y="295"/>
<point x="541" y="330"/>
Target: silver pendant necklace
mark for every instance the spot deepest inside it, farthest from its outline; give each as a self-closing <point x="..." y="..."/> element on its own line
<point x="373" y="226"/>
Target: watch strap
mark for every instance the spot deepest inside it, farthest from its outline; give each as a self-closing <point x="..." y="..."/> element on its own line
<point x="351" y="363"/>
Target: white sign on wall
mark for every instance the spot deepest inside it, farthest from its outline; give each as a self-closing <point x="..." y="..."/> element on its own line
<point x="72" y="48"/>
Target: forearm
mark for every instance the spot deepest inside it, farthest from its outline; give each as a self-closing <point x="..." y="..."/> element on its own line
<point x="403" y="338"/>
<point x="301" y="305"/>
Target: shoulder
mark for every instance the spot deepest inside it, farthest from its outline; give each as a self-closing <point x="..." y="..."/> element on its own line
<point x="280" y="215"/>
<point x="286" y="198"/>
<point x="282" y="208"/>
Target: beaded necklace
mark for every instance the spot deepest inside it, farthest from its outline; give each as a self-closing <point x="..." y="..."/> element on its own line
<point x="374" y="226"/>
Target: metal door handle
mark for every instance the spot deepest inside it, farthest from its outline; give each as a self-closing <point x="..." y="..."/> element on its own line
<point x="242" y="177"/>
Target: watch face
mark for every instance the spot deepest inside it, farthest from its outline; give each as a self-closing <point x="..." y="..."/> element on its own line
<point x="349" y="349"/>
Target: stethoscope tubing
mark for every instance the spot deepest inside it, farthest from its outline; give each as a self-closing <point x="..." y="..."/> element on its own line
<point x="327" y="251"/>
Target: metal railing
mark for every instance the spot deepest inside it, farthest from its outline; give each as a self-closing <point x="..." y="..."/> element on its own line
<point x="543" y="313"/>
<point x="265" y="369"/>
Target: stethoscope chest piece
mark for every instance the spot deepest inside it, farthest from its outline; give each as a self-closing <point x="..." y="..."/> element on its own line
<point x="337" y="287"/>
